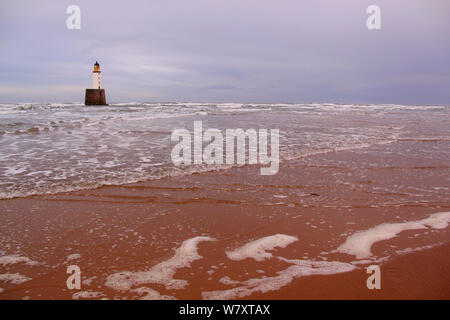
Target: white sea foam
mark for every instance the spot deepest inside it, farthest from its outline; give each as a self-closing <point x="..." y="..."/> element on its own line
<point x="251" y="110"/>
<point x="14" y="259"/>
<point x="14" y="278"/>
<point x="227" y="280"/>
<point x="115" y="178"/>
<point x="360" y="243"/>
<point x="88" y="281"/>
<point x="411" y="250"/>
<point x="87" y="295"/>
<point x="300" y="268"/>
<point x="52" y="148"/>
<point x="150" y="294"/>
<point x="163" y="272"/>
<point x="166" y="116"/>
<point x="73" y="256"/>
<point x="257" y="249"/>
<point x="229" y="105"/>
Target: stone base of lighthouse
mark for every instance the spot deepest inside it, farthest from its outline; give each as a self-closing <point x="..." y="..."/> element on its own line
<point x="95" y="97"/>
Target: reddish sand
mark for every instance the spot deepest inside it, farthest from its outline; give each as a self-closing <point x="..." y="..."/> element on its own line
<point x="321" y="200"/>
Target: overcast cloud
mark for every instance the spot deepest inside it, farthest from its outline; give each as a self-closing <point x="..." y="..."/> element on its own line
<point x="227" y="50"/>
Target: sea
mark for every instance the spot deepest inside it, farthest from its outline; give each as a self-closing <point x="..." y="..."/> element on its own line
<point x="60" y="147"/>
<point x="96" y="187"/>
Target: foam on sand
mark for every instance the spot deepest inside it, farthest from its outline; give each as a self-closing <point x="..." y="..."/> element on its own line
<point x="161" y="273"/>
<point x="359" y="243"/>
<point x="14" y="278"/>
<point x="73" y="256"/>
<point x="257" y="249"/>
<point x="14" y="259"/>
<point x="87" y="295"/>
<point x="300" y="268"/>
<point x="151" y="294"/>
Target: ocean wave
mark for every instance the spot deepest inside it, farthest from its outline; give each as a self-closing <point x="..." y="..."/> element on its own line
<point x="61" y="147"/>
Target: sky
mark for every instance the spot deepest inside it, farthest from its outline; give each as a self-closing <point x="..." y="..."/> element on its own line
<point x="227" y="51"/>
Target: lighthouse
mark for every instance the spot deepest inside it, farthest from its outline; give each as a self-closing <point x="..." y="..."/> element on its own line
<point x="96" y="95"/>
<point x="96" y="76"/>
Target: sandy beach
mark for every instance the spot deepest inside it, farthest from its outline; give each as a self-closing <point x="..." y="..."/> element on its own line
<point x="216" y="152"/>
<point x="234" y="234"/>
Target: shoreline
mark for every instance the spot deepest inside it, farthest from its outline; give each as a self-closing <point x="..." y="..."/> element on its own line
<point x="320" y="200"/>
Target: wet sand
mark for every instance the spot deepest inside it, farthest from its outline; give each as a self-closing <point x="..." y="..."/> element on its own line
<point x="124" y="238"/>
<point x="421" y="275"/>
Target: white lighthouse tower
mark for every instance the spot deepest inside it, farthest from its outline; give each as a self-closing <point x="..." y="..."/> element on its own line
<point x="96" y="95"/>
<point x="96" y="76"/>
